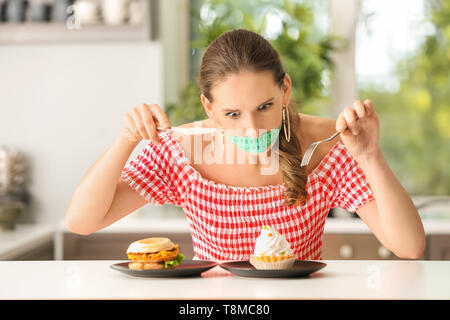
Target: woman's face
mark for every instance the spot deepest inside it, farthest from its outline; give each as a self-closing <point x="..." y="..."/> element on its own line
<point x="249" y="102"/>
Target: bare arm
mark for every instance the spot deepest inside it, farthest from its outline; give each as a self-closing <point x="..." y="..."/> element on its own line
<point x="95" y="193"/>
<point x="392" y="216"/>
<point x="101" y="199"/>
<point x="396" y="214"/>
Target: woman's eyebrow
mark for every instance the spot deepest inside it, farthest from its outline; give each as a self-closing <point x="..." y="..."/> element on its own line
<point x="268" y="100"/>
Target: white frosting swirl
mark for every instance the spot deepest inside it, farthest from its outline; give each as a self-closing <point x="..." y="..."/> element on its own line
<point x="270" y="242"/>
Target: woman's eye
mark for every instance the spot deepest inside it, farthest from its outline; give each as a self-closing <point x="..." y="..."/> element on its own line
<point x="232" y="114"/>
<point x="265" y="106"/>
<point x="262" y="108"/>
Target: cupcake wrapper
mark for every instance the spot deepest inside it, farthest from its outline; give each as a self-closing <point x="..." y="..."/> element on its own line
<point x="272" y="263"/>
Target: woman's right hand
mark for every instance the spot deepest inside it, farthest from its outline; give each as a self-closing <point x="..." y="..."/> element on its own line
<point x="141" y="122"/>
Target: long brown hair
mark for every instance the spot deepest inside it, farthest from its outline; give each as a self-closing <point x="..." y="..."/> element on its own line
<point x="239" y="50"/>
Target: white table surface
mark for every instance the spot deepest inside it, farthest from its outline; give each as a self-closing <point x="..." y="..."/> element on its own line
<point x="340" y="279"/>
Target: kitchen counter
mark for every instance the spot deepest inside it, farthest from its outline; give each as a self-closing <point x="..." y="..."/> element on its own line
<point x="24" y="238"/>
<point x="340" y="279"/>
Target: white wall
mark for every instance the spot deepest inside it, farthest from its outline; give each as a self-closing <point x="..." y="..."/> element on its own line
<point x="63" y="105"/>
<point x="175" y="33"/>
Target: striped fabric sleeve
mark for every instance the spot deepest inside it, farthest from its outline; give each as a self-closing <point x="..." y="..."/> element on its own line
<point x="155" y="175"/>
<point x="352" y="188"/>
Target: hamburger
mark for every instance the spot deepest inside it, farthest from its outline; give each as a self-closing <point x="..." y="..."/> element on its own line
<point x="154" y="253"/>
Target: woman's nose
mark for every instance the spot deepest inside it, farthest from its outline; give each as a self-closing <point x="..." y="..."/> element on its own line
<point x="252" y="130"/>
<point x="252" y="133"/>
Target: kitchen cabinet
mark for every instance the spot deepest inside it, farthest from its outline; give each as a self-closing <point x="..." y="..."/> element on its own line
<point x="335" y="246"/>
<point x="438" y="246"/>
<point x="43" y="252"/>
<point x="358" y="247"/>
<point x="113" y="246"/>
<point x="343" y="239"/>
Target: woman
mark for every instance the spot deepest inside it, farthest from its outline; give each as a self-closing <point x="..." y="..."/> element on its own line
<point x="218" y="180"/>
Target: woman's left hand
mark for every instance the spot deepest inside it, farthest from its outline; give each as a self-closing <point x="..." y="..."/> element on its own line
<point x="359" y="129"/>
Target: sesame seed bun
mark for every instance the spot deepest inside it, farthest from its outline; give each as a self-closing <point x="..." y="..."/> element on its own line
<point x="150" y="245"/>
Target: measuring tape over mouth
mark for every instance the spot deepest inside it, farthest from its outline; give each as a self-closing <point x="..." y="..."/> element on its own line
<point x="256" y="145"/>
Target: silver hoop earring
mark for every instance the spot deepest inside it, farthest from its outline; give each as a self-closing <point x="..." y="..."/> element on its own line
<point x="287" y="133"/>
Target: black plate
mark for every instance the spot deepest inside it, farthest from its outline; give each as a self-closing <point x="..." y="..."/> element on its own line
<point x="301" y="268"/>
<point x="188" y="268"/>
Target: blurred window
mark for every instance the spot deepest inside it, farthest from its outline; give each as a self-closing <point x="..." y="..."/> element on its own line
<point x="402" y="65"/>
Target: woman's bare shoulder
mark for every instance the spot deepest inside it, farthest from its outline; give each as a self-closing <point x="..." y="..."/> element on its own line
<point x="314" y="128"/>
<point x="185" y="140"/>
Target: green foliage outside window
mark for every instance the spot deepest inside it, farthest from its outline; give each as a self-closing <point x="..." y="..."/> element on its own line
<point x="304" y="50"/>
<point x="415" y="120"/>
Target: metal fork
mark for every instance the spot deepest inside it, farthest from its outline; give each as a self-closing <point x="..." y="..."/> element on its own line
<point x="308" y="153"/>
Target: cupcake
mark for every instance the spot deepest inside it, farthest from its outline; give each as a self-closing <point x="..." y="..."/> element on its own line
<point x="272" y="251"/>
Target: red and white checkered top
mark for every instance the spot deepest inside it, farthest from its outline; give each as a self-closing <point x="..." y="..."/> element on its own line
<point x="226" y="220"/>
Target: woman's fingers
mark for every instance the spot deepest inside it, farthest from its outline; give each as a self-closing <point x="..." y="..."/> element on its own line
<point x="139" y="123"/>
<point x="350" y="118"/>
<point x="147" y="119"/>
<point x="360" y="109"/>
<point x="354" y="121"/>
<point x="130" y="126"/>
<point x="369" y="107"/>
<point x="341" y="124"/>
<point x="347" y="122"/>
<point x="160" y="117"/>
